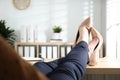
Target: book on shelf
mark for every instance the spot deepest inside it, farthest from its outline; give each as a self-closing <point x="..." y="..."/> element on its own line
<point x="30" y="34"/>
<point x="20" y="51"/>
<point x="55" y="53"/>
<point x="62" y="51"/>
<point x="49" y="52"/>
<point x="23" y="34"/>
<point x="68" y="49"/>
<point x="32" y="51"/>
<point x="26" y="52"/>
<point x="43" y="52"/>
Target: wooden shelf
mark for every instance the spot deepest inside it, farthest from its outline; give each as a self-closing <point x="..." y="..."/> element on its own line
<point x="47" y="46"/>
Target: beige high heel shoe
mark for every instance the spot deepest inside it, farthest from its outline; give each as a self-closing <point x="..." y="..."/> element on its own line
<point x="94" y="56"/>
<point x="86" y="23"/>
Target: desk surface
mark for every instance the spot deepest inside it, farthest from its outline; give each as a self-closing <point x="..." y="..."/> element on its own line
<point x="105" y="66"/>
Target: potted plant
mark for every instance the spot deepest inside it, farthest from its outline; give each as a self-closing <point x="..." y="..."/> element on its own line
<point x="57" y="29"/>
<point x="7" y="33"/>
<point x="56" y="32"/>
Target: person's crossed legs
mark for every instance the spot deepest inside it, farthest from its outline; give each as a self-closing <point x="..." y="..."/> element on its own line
<point x="72" y="66"/>
<point x="83" y="35"/>
<point x="96" y="42"/>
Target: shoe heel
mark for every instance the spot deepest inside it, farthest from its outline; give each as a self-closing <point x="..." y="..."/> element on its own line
<point x="77" y="36"/>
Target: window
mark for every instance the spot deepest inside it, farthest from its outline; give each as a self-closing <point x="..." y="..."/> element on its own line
<point x="113" y="29"/>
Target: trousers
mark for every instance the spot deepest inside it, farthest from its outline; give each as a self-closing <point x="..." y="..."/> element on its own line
<point x="70" y="67"/>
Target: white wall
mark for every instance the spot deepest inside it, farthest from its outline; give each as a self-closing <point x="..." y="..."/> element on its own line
<point x="47" y="13"/>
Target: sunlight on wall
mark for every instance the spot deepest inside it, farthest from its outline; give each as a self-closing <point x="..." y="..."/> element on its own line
<point x="42" y="15"/>
<point x="58" y="16"/>
<point x="46" y="14"/>
<point x="88" y="9"/>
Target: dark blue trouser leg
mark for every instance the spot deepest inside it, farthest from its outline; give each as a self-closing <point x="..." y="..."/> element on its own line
<point x="72" y="67"/>
<point x="46" y="67"/>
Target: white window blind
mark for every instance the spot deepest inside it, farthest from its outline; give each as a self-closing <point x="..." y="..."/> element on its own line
<point x="113" y="29"/>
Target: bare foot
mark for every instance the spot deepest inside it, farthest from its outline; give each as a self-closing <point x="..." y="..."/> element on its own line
<point x="95" y="46"/>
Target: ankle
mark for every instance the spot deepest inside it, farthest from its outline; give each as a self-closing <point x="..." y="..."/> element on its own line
<point x="83" y="32"/>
